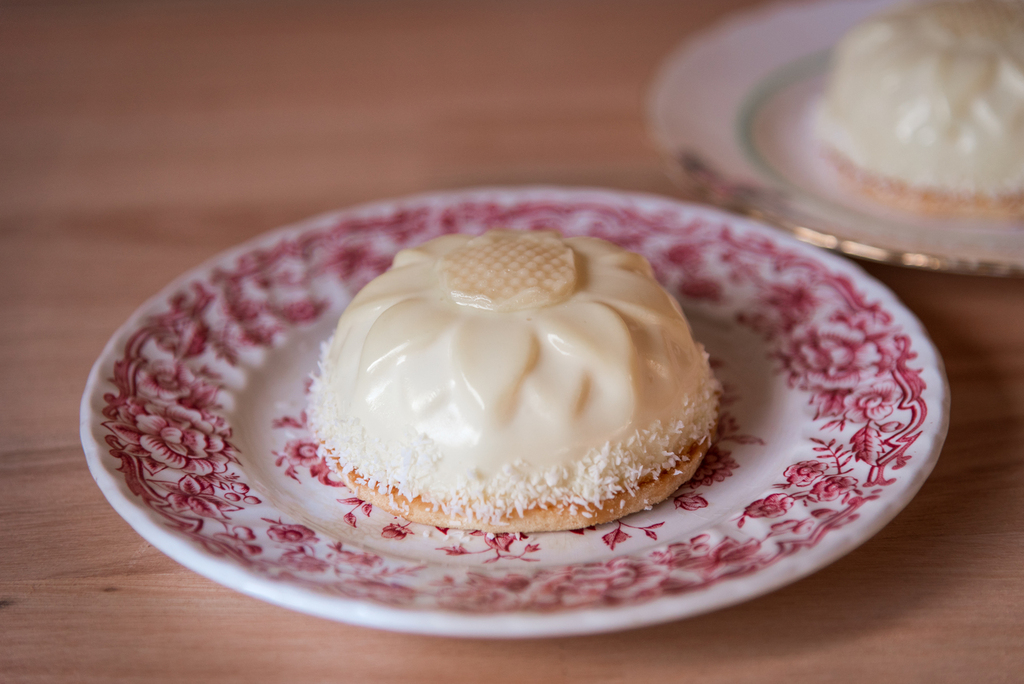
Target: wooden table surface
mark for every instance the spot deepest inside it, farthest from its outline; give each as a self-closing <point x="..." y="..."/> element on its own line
<point x="138" y="139"/>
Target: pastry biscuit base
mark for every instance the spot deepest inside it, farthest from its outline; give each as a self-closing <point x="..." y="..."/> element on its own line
<point x="931" y="201"/>
<point x="651" y="491"/>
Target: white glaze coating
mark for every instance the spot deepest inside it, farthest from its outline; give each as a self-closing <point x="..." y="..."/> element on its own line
<point x="932" y="95"/>
<point x="565" y="396"/>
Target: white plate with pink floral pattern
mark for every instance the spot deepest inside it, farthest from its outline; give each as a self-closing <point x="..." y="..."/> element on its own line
<point x="834" y="412"/>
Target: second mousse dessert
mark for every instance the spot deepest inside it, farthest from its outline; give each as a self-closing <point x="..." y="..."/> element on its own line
<point x="924" y="107"/>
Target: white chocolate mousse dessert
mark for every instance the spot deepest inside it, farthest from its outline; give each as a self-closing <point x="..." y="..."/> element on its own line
<point x="924" y="107"/>
<point x="513" y="382"/>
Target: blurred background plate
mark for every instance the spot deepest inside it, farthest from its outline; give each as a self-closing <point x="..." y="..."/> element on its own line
<point x="732" y="109"/>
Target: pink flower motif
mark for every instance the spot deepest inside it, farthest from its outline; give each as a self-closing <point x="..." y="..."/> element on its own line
<point x="832" y="487"/>
<point x="615" y="537"/>
<point x="500" y="542"/>
<point x="829" y="403"/>
<point x="301" y="311"/>
<point x="716" y="466"/>
<point x="791" y="527"/>
<point x="870" y="319"/>
<point x="831" y="356"/>
<point x="355" y="558"/>
<point x="300" y="560"/>
<point x="875" y="402"/>
<point x="195" y="496"/>
<point x="199" y="418"/>
<point x="701" y="288"/>
<point x="454" y="550"/>
<point x="325" y="474"/>
<point x="126" y="412"/>
<point x="708" y="561"/>
<point x="238" y="539"/>
<point x="514" y="583"/>
<point x="626" y="577"/>
<point x="169" y="381"/>
<point x="301" y="452"/>
<point x="690" y="502"/>
<point x="174" y="441"/>
<point x="291" y="534"/>
<point x="394" y="531"/>
<point x="164" y="380"/>
<point x="695" y="283"/>
<point x="182" y="330"/>
<point x="793" y="302"/>
<point x="804" y="473"/>
<point x="772" y="506"/>
<point x="731" y="551"/>
<point x="690" y="257"/>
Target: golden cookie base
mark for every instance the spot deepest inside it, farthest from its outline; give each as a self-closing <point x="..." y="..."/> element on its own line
<point x="651" y="491"/>
<point x="931" y="201"/>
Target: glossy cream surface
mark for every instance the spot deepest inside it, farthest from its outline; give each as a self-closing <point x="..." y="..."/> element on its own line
<point x="513" y="369"/>
<point x="932" y="95"/>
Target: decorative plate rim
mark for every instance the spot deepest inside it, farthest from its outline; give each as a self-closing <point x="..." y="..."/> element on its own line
<point x="784" y="571"/>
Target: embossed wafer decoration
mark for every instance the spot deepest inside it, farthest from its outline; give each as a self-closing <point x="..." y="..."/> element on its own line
<point x="505" y="271"/>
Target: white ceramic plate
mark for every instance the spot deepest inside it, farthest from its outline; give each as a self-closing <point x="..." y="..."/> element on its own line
<point x="834" y="412"/>
<point x="732" y="110"/>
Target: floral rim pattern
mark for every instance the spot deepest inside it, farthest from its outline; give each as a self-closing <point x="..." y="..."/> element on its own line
<point x="158" y="398"/>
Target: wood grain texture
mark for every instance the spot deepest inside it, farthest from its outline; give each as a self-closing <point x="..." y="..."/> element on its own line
<point x="137" y="140"/>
